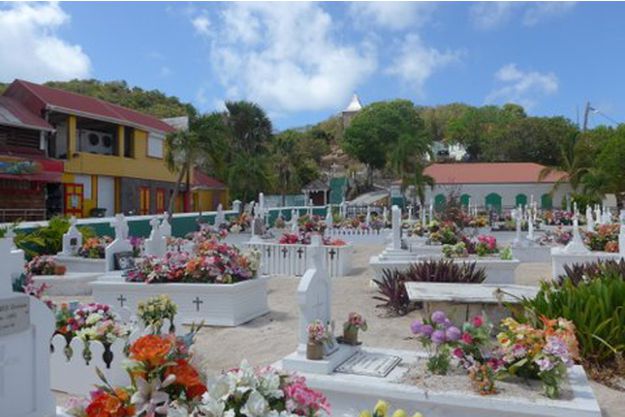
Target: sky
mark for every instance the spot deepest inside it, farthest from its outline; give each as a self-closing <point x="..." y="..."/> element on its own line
<point x="303" y="61"/>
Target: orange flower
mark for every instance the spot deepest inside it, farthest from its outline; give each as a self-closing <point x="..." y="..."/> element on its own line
<point x="188" y="377"/>
<point x="107" y="405"/>
<point x="151" y="349"/>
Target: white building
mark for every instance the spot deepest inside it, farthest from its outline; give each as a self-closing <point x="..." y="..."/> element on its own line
<point x="351" y="110"/>
<point x="496" y="185"/>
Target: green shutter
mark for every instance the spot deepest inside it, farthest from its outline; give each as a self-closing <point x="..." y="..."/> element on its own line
<point x="521" y="200"/>
<point x="493" y="202"/>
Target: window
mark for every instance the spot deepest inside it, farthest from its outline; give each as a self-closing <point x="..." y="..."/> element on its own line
<point x="439" y="201"/>
<point x="493" y="202"/>
<point x="155" y="145"/>
<point x="160" y="200"/>
<point x="144" y="200"/>
<point x="129" y="142"/>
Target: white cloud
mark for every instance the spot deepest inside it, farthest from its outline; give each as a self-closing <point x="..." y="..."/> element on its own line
<point x="491" y="15"/>
<point x="286" y="57"/>
<point x="416" y="62"/>
<point x="31" y="49"/>
<point x="391" y="15"/>
<point x="201" y="25"/>
<point x="522" y="87"/>
<point x="538" y="12"/>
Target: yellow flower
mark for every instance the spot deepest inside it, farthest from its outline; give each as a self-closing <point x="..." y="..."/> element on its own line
<point x="400" y="413"/>
<point x="417" y="414"/>
<point x="365" y="413"/>
<point x="380" y="409"/>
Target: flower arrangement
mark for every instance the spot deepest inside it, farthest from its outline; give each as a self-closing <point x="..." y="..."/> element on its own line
<point x="354" y="323"/>
<point x="155" y="310"/>
<point x="437" y="335"/>
<point x="538" y="353"/>
<point x="305" y="239"/>
<point x="89" y="322"/>
<point x="381" y="410"/>
<point x="558" y="218"/>
<point x="478" y="221"/>
<point x="43" y="265"/>
<point x="160" y="373"/>
<point x="207" y="233"/>
<point x="318" y="335"/>
<point x="308" y="223"/>
<point x="214" y="263"/>
<point x="137" y="245"/>
<point x="94" y="247"/>
<point x="558" y="236"/>
<point x="445" y="234"/>
<point x="483" y="245"/>
<point x="261" y="392"/>
<point x="604" y="238"/>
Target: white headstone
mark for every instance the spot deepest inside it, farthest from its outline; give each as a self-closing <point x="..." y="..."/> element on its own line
<point x="120" y="244"/>
<point x="165" y="227"/>
<point x="396" y="225"/>
<point x="576" y="245"/>
<point x="236" y="206"/>
<point x="607" y="216"/>
<point x="329" y="219"/>
<point x="314" y="293"/>
<point x="530" y="225"/>
<point x="26" y="326"/>
<point x="220" y="217"/>
<point x="590" y="224"/>
<point x="155" y="245"/>
<point x="598" y="214"/>
<point x="368" y="216"/>
<point x="72" y="239"/>
<point x="385" y="215"/>
<point x="261" y="204"/>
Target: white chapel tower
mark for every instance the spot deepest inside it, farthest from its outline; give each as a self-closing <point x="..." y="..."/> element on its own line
<point x="351" y="110"/>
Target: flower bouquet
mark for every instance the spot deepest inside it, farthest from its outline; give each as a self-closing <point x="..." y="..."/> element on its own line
<point x="44" y="265"/>
<point x="605" y="238"/>
<point x="381" y="410"/>
<point x="256" y="392"/>
<point x="93" y="248"/>
<point x="137" y="245"/>
<point x="437" y="335"/>
<point x="318" y="335"/>
<point x="354" y="323"/>
<point x="160" y="373"/>
<point x="155" y="310"/>
<point x="538" y="353"/>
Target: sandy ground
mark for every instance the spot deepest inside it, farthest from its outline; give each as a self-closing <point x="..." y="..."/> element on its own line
<point x="267" y="339"/>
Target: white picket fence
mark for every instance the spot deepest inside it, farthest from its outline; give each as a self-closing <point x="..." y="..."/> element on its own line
<point x="292" y="260"/>
<point x="358" y="236"/>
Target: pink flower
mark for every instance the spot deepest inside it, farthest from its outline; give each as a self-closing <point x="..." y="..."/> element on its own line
<point x="477" y="321"/>
<point x="467" y="338"/>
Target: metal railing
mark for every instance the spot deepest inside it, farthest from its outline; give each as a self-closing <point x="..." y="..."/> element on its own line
<point x="11" y="215"/>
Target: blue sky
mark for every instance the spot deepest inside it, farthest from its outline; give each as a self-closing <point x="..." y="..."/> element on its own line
<point x="302" y="61"/>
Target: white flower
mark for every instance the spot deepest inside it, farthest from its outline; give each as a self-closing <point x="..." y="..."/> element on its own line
<point x="93" y="318"/>
<point x="256" y="405"/>
<point x="223" y="387"/>
<point x="176" y="410"/>
<point x="149" y="399"/>
<point x="213" y="408"/>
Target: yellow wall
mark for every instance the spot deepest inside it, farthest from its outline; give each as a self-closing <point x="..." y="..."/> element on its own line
<point x="203" y="199"/>
<point x="141" y="166"/>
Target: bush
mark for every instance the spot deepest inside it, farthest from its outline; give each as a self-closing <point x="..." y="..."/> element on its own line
<point x="47" y="240"/>
<point x="591" y="270"/>
<point x="392" y="291"/>
<point x="596" y="306"/>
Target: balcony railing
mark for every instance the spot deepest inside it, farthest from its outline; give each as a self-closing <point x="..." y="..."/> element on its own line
<point x="11" y="215"/>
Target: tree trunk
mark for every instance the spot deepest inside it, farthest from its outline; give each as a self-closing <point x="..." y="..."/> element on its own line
<point x="174" y="196"/>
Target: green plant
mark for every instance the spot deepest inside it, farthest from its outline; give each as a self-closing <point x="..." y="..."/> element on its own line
<point x="392" y="291"/>
<point x="506" y="254"/>
<point x="591" y="270"/>
<point x="596" y="307"/>
<point x="47" y="240"/>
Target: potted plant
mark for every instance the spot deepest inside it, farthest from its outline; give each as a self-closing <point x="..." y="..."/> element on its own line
<point x="317" y="336"/>
<point x="354" y="323"/>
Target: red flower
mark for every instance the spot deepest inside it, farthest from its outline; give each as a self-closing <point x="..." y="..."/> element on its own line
<point x="188" y="377"/>
<point x="478" y="321"/>
<point x="467" y="338"/>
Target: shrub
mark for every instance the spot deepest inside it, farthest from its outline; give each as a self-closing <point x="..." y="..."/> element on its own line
<point x="597" y="308"/>
<point x="392" y="291"/>
<point x="591" y="270"/>
<point x="47" y="240"/>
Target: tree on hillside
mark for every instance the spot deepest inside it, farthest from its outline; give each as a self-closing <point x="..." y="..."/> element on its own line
<point x="285" y="155"/>
<point x="249" y="126"/>
<point x="573" y="160"/>
<point x="377" y="129"/>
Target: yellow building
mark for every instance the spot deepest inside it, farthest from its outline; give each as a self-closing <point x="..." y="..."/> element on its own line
<point x="113" y="156"/>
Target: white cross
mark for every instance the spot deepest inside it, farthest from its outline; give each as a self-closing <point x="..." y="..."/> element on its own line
<point x="318" y="308"/>
<point x="4" y="362"/>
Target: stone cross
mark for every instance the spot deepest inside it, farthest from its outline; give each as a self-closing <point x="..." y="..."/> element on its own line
<point x="220" y="218"/>
<point x="120" y="226"/>
<point x="368" y="216"/>
<point x="314" y="293"/>
<point x="72" y="239"/>
<point x="165" y="227"/>
<point x="261" y="204"/>
<point x="396" y="232"/>
<point x="530" y="225"/>
<point x="598" y="214"/>
<point x="410" y="212"/>
<point x="431" y="210"/>
<point x="385" y="215"/>
<point x="343" y="208"/>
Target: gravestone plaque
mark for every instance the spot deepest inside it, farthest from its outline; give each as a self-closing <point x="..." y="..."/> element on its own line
<point x="124" y="261"/>
<point x="369" y="364"/>
<point x="14" y="315"/>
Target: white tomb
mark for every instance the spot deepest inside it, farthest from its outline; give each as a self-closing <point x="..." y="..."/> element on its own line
<point x="165" y="226"/>
<point x="120" y="244"/>
<point x="314" y="297"/>
<point x="72" y="239"/>
<point x="12" y="264"/>
<point x="26" y="325"/>
<point x="220" y="217"/>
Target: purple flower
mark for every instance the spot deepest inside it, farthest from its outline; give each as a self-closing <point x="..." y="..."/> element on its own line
<point x="453" y="333"/>
<point x="438" y="317"/>
<point x="416" y="326"/>
<point x="544" y="364"/>
<point x="438" y="337"/>
<point x="426" y="330"/>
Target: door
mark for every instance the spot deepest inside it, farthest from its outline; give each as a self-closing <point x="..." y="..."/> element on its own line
<point x="144" y="200"/>
<point x="493" y="202"/>
<point x="73" y="199"/>
<point x="106" y="194"/>
<point x="160" y="200"/>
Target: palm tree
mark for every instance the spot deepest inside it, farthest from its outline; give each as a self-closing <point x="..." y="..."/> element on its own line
<point x="420" y="180"/>
<point x="182" y="153"/>
<point x="573" y="161"/>
<point x="248" y="176"/>
<point x="285" y="155"/>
